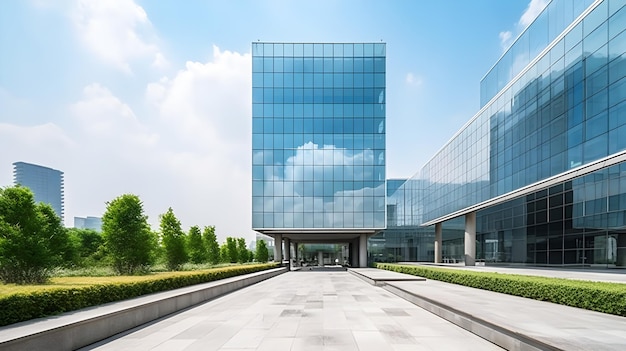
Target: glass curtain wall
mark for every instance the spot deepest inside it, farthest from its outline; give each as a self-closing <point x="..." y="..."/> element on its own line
<point x="318" y="116"/>
<point x="404" y="239"/>
<point x="579" y="222"/>
<point x="566" y="110"/>
<point x="546" y="27"/>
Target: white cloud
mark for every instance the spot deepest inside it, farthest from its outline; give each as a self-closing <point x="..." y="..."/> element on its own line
<point x="412" y="79"/>
<point x="47" y="140"/>
<point x="204" y="112"/>
<point x="102" y="114"/>
<point x="160" y="61"/>
<point x="117" y="32"/>
<point x="208" y="104"/>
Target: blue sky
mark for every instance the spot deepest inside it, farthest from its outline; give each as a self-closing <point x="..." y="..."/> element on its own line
<point x="154" y="98"/>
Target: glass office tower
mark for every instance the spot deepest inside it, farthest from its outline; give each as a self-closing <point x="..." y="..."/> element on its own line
<point x="542" y="165"/>
<point x="318" y="158"/>
<point x="45" y="183"/>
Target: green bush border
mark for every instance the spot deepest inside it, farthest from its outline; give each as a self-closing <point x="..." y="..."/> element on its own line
<point x="25" y="306"/>
<point x="596" y="296"/>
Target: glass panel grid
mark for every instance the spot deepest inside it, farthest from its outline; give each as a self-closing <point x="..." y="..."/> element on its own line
<point x="319" y="135"/>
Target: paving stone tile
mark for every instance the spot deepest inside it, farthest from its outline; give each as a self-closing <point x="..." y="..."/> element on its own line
<point x="300" y="311"/>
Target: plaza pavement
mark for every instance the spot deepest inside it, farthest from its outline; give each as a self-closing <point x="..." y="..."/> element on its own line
<point x="309" y="310"/>
<point x="519" y="323"/>
<point x="362" y="309"/>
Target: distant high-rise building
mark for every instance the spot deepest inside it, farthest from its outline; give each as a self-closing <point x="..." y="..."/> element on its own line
<point x="94" y="223"/>
<point x="45" y="183"/>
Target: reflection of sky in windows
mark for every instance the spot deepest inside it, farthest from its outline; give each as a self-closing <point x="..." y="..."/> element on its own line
<point x="564" y="111"/>
<point x="557" y="15"/>
<point x="318" y="135"/>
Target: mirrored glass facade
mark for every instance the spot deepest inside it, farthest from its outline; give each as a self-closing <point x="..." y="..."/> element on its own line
<point x="404" y="239"/>
<point x="528" y="45"/>
<point x="566" y="110"/>
<point x="318" y="124"/>
<point x="558" y="114"/>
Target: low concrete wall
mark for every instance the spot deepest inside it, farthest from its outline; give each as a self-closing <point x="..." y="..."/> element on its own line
<point x="505" y="338"/>
<point x="365" y="278"/>
<point x="77" y="329"/>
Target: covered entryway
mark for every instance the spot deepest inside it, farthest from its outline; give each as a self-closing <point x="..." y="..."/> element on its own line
<point x="321" y="248"/>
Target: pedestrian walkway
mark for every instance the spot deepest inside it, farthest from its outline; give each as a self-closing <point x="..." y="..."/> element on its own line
<point x="302" y="311"/>
<point x="515" y="322"/>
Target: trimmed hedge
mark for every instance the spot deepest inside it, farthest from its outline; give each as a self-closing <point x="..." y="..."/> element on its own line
<point x="596" y="296"/>
<point x="25" y="306"/>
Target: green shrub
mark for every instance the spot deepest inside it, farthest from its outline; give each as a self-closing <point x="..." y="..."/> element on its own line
<point x="597" y="296"/>
<point x="24" y="306"/>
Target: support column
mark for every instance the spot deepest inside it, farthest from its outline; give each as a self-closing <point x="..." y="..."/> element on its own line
<point x="470" y="239"/>
<point x="278" y="248"/>
<point x="621" y="250"/>
<point x="353" y="254"/>
<point x="363" y="251"/>
<point x="288" y="252"/>
<point x="438" y="243"/>
<point x="295" y="254"/>
<point x="320" y="258"/>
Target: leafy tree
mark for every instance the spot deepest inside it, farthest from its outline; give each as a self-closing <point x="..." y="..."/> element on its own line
<point x="231" y="246"/>
<point x="173" y="241"/>
<point x="88" y="245"/>
<point x="59" y="243"/>
<point x="32" y="239"/>
<point x="196" y="246"/>
<point x="213" y="248"/>
<point x="261" y="254"/>
<point x="224" y="254"/>
<point x="242" y="251"/>
<point x="72" y="254"/>
<point x="127" y="235"/>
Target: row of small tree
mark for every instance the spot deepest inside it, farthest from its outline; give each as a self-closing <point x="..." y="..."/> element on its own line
<point x="33" y="242"/>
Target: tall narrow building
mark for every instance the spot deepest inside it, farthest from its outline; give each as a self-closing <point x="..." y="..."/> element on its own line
<point x="318" y="137"/>
<point x="45" y="183"/>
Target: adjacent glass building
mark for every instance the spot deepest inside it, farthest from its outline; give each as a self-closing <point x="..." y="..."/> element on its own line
<point x="318" y="139"/>
<point x="45" y="183"/>
<point x="538" y="175"/>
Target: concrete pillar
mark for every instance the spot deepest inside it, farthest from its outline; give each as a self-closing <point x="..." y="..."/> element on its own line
<point x="278" y="248"/>
<point x="320" y="258"/>
<point x="288" y="249"/>
<point x="438" y="243"/>
<point x="621" y="250"/>
<point x="363" y="251"/>
<point x="355" y="252"/>
<point x="470" y="239"/>
<point x="295" y="253"/>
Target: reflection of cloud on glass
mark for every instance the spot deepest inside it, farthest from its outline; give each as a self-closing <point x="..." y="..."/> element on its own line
<point x="350" y="208"/>
<point x="322" y="187"/>
<point x="311" y="162"/>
